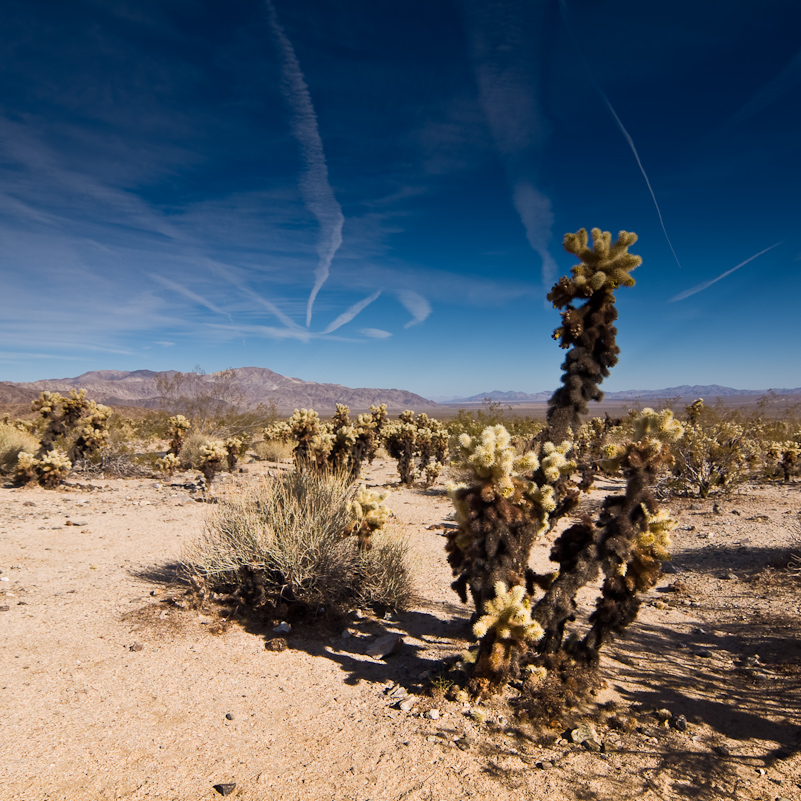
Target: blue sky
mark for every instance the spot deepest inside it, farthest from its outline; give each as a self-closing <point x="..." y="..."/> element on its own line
<point x="375" y="194"/>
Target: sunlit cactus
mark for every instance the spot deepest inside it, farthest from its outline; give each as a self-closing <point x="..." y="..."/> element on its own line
<point x="214" y="456"/>
<point x="423" y="438"/>
<point x="48" y="470"/>
<point x="235" y="448"/>
<point x="400" y="440"/>
<point x="168" y="464"/>
<point x="369" y="515"/>
<point x="588" y="330"/>
<point x="177" y="429"/>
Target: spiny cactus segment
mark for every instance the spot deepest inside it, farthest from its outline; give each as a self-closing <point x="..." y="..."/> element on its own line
<point x="369" y="515"/>
<point x="177" y="429"/>
<point x="588" y="330"/>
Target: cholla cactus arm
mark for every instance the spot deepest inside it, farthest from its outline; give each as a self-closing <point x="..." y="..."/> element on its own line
<point x="506" y="630"/>
<point x="369" y="515"/>
<point x="168" y="463"/>
<point x="214" y="455"/>
<point x="588" y="331"/>
<point x="49" y="470"/>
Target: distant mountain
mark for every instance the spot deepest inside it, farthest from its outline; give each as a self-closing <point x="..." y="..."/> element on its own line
<point x="254" y="384"/>
<point x="684" y="392"/>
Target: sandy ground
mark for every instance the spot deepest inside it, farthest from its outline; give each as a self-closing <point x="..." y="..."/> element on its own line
<point x="110" y="689"/>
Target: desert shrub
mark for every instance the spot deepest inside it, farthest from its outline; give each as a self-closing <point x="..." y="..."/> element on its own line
<point x="215" y="404"/>
<point x="269" y="450"/>
<point x="14" y="441"/>
<point x="287" y="540"/>
<point x="191" y="456"/>
<point x="493" y="413"/>
<point x="715" y="451"/>
<point x="509" y="500"/>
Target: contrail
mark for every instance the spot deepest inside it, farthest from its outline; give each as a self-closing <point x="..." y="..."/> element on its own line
<point x="707" y="284"/>
<point x="350" y="313"/>
<point x="314" y="185"/>
<point x="563" y="8"/>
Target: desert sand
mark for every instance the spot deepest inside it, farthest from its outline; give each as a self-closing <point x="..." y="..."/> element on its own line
<point x="115" y="687"/>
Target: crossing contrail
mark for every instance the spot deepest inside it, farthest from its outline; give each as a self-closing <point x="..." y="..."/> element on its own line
<point x="565" y="17"/>
<point x="707" y="284"/>
<point x="314" y="185"/>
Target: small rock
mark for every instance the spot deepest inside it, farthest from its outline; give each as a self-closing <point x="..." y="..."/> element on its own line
<point x="229" y="715"/>
<point x="663" y="714"/>
<point x="668" y="569"/>
<point x="679" y="723"/>
<point x="385" y="646"/>
<point x="276" y="644"/>
<point x="225" y="789"/>
<point x="704" y="653"/>
<point x="407" y="704"/>
<point x="283" y="628"/>
<point x="399" y="693"/>
<point x="28" y="503"/>
<point x="433" y="714"/>
<point x="137" y="646"/>
<point x="584" y="732"/>
<point x="699" y="630"/>
<point x="591" y="745"/>
<point x="4" y="608"/>
<point x="346" y="635"/>
<point x="463" y="743"/>
<point x="722" y="750"/>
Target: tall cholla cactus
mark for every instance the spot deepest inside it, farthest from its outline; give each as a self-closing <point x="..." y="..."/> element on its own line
<point x="588" y="330"/>
<point x="628" y="543"/>
<point x="177" y="429"/>
<point x="369" y="515"/>
<point x="503" y="510"/>
<point x="304" y="426"/>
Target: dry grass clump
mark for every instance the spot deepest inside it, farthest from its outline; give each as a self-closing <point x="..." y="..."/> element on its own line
<point x="286" y="540"/>
<point x="273" y="450"/>
<point x="191" y="455"/>
<point x="13" y="441"/>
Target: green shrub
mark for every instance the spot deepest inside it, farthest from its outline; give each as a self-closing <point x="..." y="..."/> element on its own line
<point x="287" y="540"/>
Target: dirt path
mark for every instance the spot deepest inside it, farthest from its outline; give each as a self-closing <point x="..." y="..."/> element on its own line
<point x="111" y="690"/>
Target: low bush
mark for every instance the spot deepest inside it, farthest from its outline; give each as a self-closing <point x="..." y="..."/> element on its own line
<point x="286" y="541"/>
<point x="271" y="450"/>
<point x="14" y="441"/>
<point x="191" y="456"/>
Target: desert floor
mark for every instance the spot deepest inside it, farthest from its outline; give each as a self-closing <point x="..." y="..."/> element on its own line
<point x="111" y="687"/>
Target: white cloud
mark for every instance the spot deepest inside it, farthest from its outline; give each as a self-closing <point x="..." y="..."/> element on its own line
<point x="375" y="333"/>
<point x="416" y="305"/>
<point x="350" y="313"/>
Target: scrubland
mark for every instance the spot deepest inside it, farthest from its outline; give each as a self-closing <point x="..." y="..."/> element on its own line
<point x="205" y="602"/>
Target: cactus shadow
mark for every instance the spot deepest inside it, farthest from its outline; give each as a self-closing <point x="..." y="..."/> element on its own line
<point x="427" y="638"/>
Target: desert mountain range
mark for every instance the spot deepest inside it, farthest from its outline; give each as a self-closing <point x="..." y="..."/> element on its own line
<point x="253" y="384"/>
<point x="259" y="385"/>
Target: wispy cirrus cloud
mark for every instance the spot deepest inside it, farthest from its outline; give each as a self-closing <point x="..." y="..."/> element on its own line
<point x="416" y="305"/>
<point x="500" y="37"/>
<point x="706" y="284"/>
<point x="375" y="333"/>
<point x="315" y="186"/>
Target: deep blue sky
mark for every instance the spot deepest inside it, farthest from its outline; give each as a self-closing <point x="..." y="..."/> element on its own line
<point x="375" y="194"/>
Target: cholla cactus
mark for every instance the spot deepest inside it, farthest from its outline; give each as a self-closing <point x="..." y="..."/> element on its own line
<point x="506" y="629"/>
<point x="235" y="447"/>
<point x="168" y="463"/>
<point x="304" y="426"/>
<point x="49" y="470"/>
<point x="423" y="438"/>
<point x="369" y="515"/>
<point x="177" y="429"/>
<point x="432" y="472"/>
<point x="588" y="330"/>
<point x="278" y="432"/>
<point x="503" y="509"/>
<point x="214" y="455"/>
